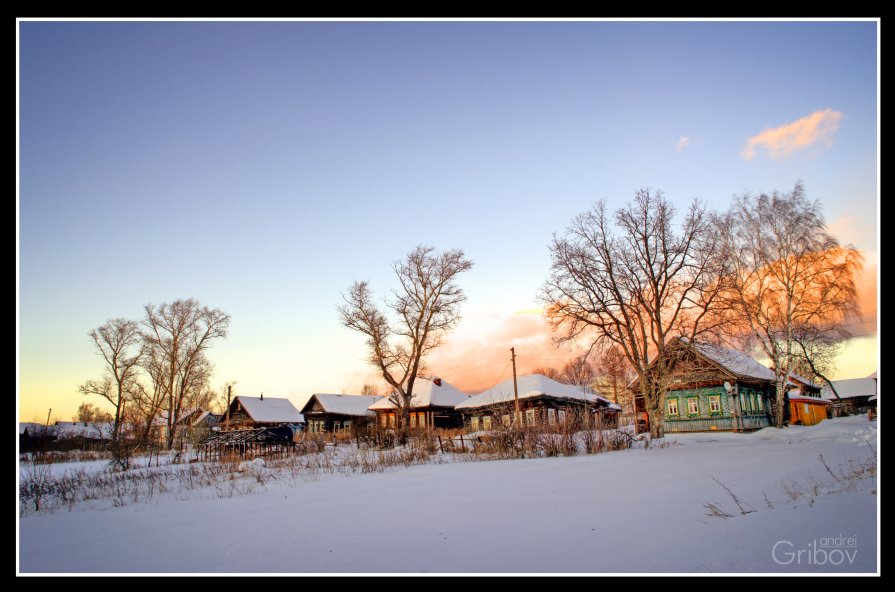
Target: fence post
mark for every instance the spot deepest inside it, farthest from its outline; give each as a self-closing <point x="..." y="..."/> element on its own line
<point x="462" y="444"/>
<point x="440" y="445"/>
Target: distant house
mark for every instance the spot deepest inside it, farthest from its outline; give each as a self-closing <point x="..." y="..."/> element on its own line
<point x="856" y="395"/>
<point x="337" y="413"/>
<point x="256" y="412"/>
<point x="432" y="406"/>
<point x="697" y="399"/>
<point x="542" y="400"/>
<point x="34" y="436"/>
<point x="70" y="435"/>
<point x="803" y="386"/>
<point x="192" y="426"/>
<point x="93" y="432"/>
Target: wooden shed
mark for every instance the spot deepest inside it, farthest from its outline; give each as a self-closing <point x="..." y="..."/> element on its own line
<point x="247" y="443"/>
<point x="807" y="410"/>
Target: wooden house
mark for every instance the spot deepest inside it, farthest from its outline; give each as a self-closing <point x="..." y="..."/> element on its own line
<point x="432" y="406"/>
<point x="856" y="395"/>
<point x="338" y="413"/>
<point x="256" y="412"/>
<point x="541" y="401"/>
<point x="696" y="399"/>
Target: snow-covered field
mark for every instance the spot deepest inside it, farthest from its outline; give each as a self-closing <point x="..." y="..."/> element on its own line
<point x="642" y="510"/>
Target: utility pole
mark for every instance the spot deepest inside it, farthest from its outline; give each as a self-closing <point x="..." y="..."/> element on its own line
<point x="51" y="411"/>
<point x="516" y="387"/>
<point x="227" y="416"/>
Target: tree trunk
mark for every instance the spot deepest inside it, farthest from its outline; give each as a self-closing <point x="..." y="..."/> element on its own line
<point x="404" y="423"/>
<point x="781" y="403"/>
<point x="170" y="439"/>
<point x="655" y="415"/>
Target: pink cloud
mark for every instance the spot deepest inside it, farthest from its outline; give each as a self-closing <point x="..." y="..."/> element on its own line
<point x="682" y="143"/>
<point x="782" y="141"/>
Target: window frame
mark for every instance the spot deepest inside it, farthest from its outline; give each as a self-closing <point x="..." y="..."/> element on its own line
<point x="668" y="403"/>
<point x="690" y="400"/>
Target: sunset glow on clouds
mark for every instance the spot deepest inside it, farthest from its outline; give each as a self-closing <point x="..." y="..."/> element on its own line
<point x="682" y="143"/>
<point x="817" y="128"/>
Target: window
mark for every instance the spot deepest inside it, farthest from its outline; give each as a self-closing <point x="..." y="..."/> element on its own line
<point x="530" y="416"/>
<point x="715" y="404"/>
<point x="671" y="406"/>
<point x="421" y="420"/>
<point x="561" y="415"/>
<point x="760" y="402"/>
<point x="486" y="422"/>
<point x="693" y="406"/>
<point x="753" y="401"/>
<point x="474" y="424"/>
<point x="744" y="403"/>
<point x="347" y="425"/>
<point x="505" y="419"/>
<point x="413" y="420"/>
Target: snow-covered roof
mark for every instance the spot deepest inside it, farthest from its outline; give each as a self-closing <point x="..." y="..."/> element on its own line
<point x="32" y="427"/>
<point x="803" y="380"/>
<point x="425" y="393"/>
<point x="271" y="409"/>
<point x="343" y="404"/>
<point x="808" y="399"/>
<point x="204" y="416"/>
<point x="73" y="429"/>
<point x="850" y="388"/>
<point x="734" y="361"/>
<point x="529" y="386"/>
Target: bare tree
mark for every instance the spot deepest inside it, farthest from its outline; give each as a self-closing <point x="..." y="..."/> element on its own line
<point x="178" y="335"/>
<point x="549" y="372"/>
<point x="635" y="284"/>
<point x="95" y="418"/>
<point x="148" y="401"/>
<point x="423" y="309"/>
<point x="578" y="372"/>
<point x="89" y="413"/>
<point x="786" y="273"/>
<point x="613" y="376"/>
<point x="818" y="347"/>
<point x="118" y="342"/>
<point x="369" y="390"/>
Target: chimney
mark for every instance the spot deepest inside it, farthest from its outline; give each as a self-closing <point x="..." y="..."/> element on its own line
<point x="262" y="396"/>
<point x="437" y="381"/>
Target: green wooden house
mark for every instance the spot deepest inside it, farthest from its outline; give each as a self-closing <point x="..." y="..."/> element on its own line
<point x="697" y="399"/>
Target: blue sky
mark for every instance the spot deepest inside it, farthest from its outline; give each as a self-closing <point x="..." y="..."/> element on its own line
<point x="263" y="167"/>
